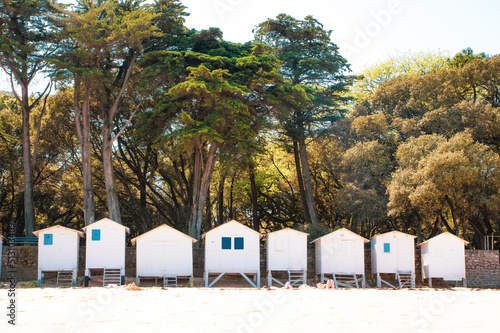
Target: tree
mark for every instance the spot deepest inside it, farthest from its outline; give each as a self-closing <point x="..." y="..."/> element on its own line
<point x="55" y="175"/>
<point x="464" y="57"/>
<point x="11" y="183"/>
<point x="365" y="171"/>
<point x="439" y="179"/>
<point x="103" y="40"/>
<point x="214" y="113"/>
<point x="309" y="59"/>
<point x="26" y="40"/>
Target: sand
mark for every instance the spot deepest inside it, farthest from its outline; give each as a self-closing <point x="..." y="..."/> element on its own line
<point x="120" y="309"/>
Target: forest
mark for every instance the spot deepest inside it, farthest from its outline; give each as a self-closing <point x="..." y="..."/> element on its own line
<point x="147" y="122"/>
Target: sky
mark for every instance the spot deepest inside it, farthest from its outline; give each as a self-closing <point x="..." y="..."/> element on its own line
<point x="366" y="31"/>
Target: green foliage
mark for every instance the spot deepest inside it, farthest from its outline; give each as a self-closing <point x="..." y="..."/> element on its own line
<point x="27" y="37"/>
<point x="419" y="151"/>
<point x="313" y="69"/>
<point x="100" y="36"/>
<point x="464" y="57"/>
<point x="305" y="48"/>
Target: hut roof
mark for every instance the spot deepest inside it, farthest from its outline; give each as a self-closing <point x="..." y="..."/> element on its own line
<point x="441" y="235"/>
<point x="229" y="223"/>
<point x="106" y="220"/>
<point x="164" y="226"/>
<point x="393" y="232"/>
<point x="36" y="233"/>
<point x="287" y="229"/>
<point x="342" y="230"/>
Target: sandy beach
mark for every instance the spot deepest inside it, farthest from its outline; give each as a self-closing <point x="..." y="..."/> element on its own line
<point x="132" y="309"/>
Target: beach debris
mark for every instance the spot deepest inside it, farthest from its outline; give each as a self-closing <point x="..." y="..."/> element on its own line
<point x="305" y="286"/>
<point x="330" y="284"/>
<point x="132" y="286"/>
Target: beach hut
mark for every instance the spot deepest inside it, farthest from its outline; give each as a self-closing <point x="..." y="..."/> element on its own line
<point x="443" y="256"/>
<point x="105" y="251"/>
<point x="58" y="252"/>
<point x="394" y="253"/>
<point x="341" y="254"/>
<point x="287" y="252"/>
<point x="232" y="248"/>
<point x="164" y="253"/>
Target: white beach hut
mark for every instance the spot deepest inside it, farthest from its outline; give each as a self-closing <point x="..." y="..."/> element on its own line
<point x="443" y="256"/>
<point x="58" y="252"/>
<point x="394" y="253"/>
<point x="287" y="252"/>
<point x="165" y="253"/>
<point x="341" y="254"/>
<point x="105" y="251"/>
<point x="232" y="248"/>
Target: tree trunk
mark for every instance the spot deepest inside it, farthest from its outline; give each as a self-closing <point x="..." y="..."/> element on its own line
<point x="477" y="224"/>
<point x="143" y="203"/>
<point x="220" y="202"/>
<point x="253" y="190"/>
<point x="29" y="212"/>
<point x="448" y="227"/>
<point x="109" y="178"/>
<point x="464" y="231"/>
<point x="83" y="132"/>
<point x="198" y="206"/>
<point x="311" y="204"/>
<point x="231" y="198"/>
<point x="198" y="167"/>
<point x="208" y="208"/>
<point x="453" y="215"/>
<point x="437" y="227"/>
<point x="300" y="178"/>
<point x="420" y="238"/>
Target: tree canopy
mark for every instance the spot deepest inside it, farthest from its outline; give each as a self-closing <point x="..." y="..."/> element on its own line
<point x="149" y="122"/>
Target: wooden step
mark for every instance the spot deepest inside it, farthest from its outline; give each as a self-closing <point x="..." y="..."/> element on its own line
<point x="406" y="279"/>
<point x="348" y="280"/>
<point x="297" y="277"/>
<point x="170" y="281"/>
<point x="112" y="276"/>
<point x="64" y="279"/>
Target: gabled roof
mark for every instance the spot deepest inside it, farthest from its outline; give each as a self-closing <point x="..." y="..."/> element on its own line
<point x="106" y="220"/>
<point x="163" y="226"/>
<point x="230" y="223"/>
<point x="36" y="233"/>
<point x="441" y="235"/>
<point x="393" y="232"/>
<point x="288" y="229"/>
<point x="341" y="230"/>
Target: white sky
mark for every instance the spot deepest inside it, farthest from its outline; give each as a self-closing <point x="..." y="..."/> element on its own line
<point x="367" y="31"/>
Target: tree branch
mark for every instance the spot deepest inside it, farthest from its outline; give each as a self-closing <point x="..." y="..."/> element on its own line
<point x="41" y="95"/>
<point x="114" y="107"/>
<point x="78" y="110"/>
<point x="14" y="90"/>
<point x="39" y="127"/>
<point x="125" y="126"/>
